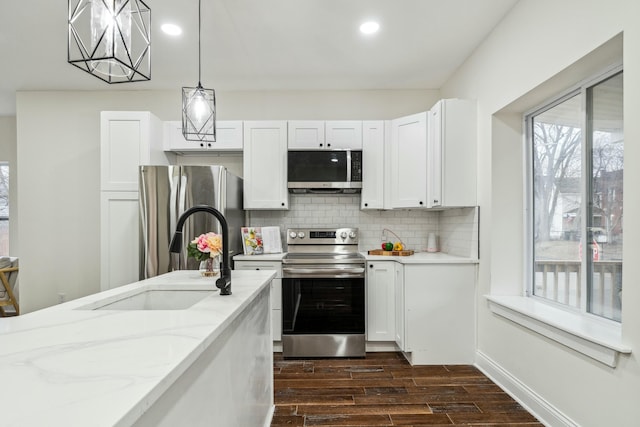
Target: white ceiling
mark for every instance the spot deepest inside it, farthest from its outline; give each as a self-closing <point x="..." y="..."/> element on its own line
<point x="260" y="45"/>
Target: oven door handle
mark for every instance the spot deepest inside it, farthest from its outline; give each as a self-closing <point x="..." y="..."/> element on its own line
<point x="322" y="272"/>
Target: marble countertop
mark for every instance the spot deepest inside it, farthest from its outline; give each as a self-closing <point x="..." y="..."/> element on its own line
<point x="417" y="258"/>
<point x="423" y="258"/>
<point x="69" y="366"/>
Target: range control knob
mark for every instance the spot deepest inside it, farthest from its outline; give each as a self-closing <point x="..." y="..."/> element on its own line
<point x="293" y="234"/>
<point x="301" y="234"/>
<point x="352" y="234"/>
<point x="343" y="235"/>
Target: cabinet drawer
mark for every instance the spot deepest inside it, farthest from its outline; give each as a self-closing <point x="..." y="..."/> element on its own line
<point x="260" y="265"/>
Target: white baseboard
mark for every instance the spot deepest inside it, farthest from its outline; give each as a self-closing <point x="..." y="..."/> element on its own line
<point x="546" y="413"/>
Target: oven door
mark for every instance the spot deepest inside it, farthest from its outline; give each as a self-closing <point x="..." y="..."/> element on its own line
<point x="323" y="306"/>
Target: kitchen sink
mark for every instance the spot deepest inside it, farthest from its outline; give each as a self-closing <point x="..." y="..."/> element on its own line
<point x="153" y="299"/>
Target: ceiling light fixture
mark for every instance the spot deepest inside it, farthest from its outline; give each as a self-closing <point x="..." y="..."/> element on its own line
<point x="110" y="39"/>
<point x="171" y="29"/>
<point x="369" y="27"/>
<point x="199" y="106"/>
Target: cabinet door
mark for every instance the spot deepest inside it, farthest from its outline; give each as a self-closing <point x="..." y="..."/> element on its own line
<point x="434" y="157"/>
<point x="373" y="167"/>
<point x="119" y="239"/>
<point x="128" y="139"/>
<point x="400" y="324"/>
<point x="409" y="161"/>
<point x="381" y="301"/>
<point x="452" y="153"/>
<point x="343" y="135"/>
<point x="228" y="137"/>
<point x="440" y="310"/>
<point x="276" y="291"/>
<point x="265" y="165"/>
<point x="306" y="135"/>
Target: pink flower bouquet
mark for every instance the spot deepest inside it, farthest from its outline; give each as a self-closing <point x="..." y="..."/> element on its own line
<point x="208" y="245"/>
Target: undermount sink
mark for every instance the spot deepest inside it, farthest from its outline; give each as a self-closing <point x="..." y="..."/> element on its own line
<point x="153" y="299"/>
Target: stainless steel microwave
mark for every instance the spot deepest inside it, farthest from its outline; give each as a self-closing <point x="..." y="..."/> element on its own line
<point x="324" y="171"/>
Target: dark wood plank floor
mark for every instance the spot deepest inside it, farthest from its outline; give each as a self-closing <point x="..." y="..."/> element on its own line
<point x="384" y="390"/>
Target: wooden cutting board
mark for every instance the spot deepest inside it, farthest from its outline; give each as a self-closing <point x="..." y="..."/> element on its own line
<point x="390" y="253"/>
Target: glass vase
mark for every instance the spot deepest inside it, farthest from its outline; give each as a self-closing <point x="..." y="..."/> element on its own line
<point x="210" y="267"/>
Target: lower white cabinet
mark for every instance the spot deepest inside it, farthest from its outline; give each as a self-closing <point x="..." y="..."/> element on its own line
<point x="381" y="321"/>
<point x="439" y="313"/>
<point x="276" y="291"/>
<point x="119" y="238"/>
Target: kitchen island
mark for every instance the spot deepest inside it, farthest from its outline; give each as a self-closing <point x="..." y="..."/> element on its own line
<point x="157" y="363"/>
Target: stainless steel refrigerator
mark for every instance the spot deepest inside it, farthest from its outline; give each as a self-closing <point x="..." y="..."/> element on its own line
<point x="165" y="193"/>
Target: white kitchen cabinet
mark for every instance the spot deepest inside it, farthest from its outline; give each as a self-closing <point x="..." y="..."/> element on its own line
<point x="119" y="238"/>
<point x="306" y="135"/>
<point x="321" y="135"/>
<point x="228" y="138"/>
<point x="452" y="156"/>
<point x="265" y="165"/>
<point x="408" y="166"/>
<point x="373" y="165"/>
<point x="128" y="139"/>
<point x="399" y="313"/>
<point x="276" y="291"/>
<point x="381" y="302"/>
<point x="439" y="313"/>
<point x="343" y="134"/>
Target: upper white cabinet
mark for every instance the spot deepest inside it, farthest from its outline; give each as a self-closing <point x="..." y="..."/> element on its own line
<point x="452" y="154"/>
<point x="373" y="165"/>
<point x="128" y="139"/>
<point x="228" y="138"/>
<point x="321" y="135"/>
<point x="344" y="134"/>
<point x="265" y="165"/>
<point x="408" y="166"/>
<point x="306" y="134"/>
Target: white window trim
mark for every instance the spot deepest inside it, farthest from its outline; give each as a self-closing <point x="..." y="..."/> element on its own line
<point x="599" y="339"/>
<point x="595" y="337"/>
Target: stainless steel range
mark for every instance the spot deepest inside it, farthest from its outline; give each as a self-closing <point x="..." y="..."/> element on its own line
<point x="323" y="297"/>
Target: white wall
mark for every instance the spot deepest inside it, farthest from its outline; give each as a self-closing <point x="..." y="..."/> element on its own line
<point x="59" y="178"/>
<point x="8" y="154"/>
<point x="511" y="69"/>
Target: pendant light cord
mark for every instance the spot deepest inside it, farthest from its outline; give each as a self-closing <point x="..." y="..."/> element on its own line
<point x="199" y="34"/>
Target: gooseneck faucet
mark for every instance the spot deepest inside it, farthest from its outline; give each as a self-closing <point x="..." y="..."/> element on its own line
<point x="224" y="282"/>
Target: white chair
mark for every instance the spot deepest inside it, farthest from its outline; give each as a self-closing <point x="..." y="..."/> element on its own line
<point x="9" y="286"/>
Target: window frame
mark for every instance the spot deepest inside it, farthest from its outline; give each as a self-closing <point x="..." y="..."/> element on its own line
<point x="581" y="88"/>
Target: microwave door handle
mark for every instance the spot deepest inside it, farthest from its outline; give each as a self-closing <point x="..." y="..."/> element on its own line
<point x="349" y="166"/>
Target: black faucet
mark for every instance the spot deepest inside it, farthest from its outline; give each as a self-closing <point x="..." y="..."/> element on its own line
<point x="224" y="282"/>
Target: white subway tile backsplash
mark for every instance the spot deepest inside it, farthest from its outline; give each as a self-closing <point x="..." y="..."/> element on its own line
<point x="457" y="229"/>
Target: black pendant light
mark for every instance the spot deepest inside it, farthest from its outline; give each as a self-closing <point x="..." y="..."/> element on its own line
<point x="110" y="39"/>
<point x="199" y="106"/>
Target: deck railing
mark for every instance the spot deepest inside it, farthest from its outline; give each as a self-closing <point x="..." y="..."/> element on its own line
<point x="560" y="281"/>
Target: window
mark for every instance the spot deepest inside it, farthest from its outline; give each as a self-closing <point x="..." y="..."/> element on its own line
<point x="4" y="208"/>
<point x="576" y="199"/>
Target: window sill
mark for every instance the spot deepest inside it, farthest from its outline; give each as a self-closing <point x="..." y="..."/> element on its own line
<point x="592" y="337"/>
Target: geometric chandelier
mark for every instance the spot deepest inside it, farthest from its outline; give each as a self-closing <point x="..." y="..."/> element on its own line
<point x="110" y="39"/>
<point x="199" y="106"/>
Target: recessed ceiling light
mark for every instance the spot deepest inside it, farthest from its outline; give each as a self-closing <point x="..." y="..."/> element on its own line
<point x="171" y="29"/>
<point x="369" y="27"/>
